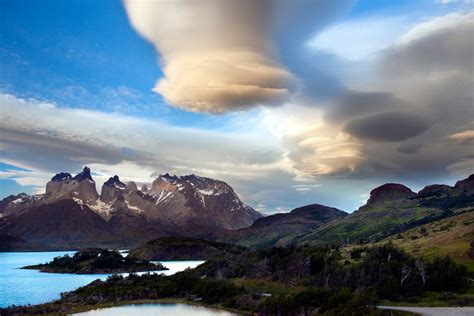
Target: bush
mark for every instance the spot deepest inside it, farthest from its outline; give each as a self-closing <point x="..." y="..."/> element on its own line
<point x="446" y="275"/>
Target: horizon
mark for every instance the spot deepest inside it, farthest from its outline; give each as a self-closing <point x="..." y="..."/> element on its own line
<point x="99" y="188"/>
<point x="290" y="103"/>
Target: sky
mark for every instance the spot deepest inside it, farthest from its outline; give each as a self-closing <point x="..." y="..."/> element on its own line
<point x="290" y="102"/>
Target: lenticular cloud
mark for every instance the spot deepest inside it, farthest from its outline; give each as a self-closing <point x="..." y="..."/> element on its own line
<point x="217" y="56"/>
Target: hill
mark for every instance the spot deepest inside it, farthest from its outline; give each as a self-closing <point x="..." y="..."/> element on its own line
<point x="280" y="229"/>
<point x="450" y="236"/>
<point x="394" y="208"/>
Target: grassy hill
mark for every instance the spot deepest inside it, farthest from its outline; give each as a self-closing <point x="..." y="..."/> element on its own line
<point x="393" y="209"/>
<point x="450" y="236"/>
<point x="281" y="229"/>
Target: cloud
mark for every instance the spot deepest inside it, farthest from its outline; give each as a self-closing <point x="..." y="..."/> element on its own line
<point x="353" y="104"/>
<point x="463" y="136"/>
<point x="410" y="148"/>
<point x="441" y="44"/>
<point x="216" y="56"/>
<point x="227" y="56"/>
<point x="389" y="126"/>
<point x="359" y="39"/>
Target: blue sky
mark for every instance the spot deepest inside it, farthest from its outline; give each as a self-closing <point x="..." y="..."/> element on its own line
<point x="139" y="92"/>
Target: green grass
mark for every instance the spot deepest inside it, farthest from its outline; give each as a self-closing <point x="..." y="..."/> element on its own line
<point x="447" y="237"/>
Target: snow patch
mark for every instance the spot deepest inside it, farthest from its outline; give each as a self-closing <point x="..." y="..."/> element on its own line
<point x="78" y="201"/>
<point x="135" y="208"/>
<point x="101" y="207"/>
<point x="118" y="186"/>
<point x="17" y="201"/>
<point x="162" y="196"/>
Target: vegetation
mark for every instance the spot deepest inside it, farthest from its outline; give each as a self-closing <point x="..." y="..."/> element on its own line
<point x="306" y="280"/>
<point x="96" y="260"/>
<point x="182" y="248"/>
<point x="448" y="237"/>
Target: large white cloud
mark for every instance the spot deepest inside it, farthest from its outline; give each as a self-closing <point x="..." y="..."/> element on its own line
<point x="216" y="56"/>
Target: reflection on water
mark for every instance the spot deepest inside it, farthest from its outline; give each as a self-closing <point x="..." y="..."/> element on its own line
<point x="22" y="287"/>
<point x="157" y="309"/>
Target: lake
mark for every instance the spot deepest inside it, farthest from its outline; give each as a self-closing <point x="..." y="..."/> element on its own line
<point x="157" y="309"/>
<point x="22" y="287"/>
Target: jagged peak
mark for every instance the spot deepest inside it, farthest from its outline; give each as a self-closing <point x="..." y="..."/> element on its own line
<point x="61" y="176"/>
<point x="85" y="174"/>
<point x="115" y="182"/>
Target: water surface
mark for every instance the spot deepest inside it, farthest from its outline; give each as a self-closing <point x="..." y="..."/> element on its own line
<point x="22" y="287"/>
<point x="157" y="309"/>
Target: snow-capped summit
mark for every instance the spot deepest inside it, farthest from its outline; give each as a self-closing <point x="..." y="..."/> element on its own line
<point x="71" y="207"/>
<point x="204" y="201"/>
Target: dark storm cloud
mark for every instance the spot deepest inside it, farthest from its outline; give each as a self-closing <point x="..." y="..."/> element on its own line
<point x="409" y="148"/>
<point x="389" y="126"/>
<point x="354" y="104"/>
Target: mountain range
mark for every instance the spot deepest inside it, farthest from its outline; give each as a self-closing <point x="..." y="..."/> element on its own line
<point x="71" y="214"/>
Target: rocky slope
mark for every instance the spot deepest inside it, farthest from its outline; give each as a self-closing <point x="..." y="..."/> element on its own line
<point x="72" y="212"/>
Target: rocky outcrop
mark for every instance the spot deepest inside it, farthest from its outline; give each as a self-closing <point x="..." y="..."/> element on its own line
<point x="63" y="186"/>
<point x="389" y="192"/>
<point x="435" y="190"/>
<point x="112" y="189"/>
<point x="465" y="186"/>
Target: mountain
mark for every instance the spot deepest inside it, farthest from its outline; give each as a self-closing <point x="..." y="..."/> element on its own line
<point x="181" y="248"/>
<point x="280" y="229"/>
<point x="193" y="200"/>
<point x="71" y="212"/>
<point x="393" y="208"/>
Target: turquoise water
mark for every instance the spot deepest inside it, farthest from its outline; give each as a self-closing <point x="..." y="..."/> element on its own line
<point x="22" y="287"/>
<point x="158" y="310"/>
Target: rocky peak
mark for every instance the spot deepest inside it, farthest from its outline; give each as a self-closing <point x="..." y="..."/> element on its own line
<point x="112" y="189"/>
<point x="131" y="186"/>
<point x="63" y="186"/>
<point x="465" y="186"/>
<point x="84" y="175"/>
<point x="144" y="188"/>
<point x="115" y="182"/>
<point x="434" y="190"/>
<point x="62" y="176"/>
<point x="389" y="192"/>
<point x="209" y="201"/>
